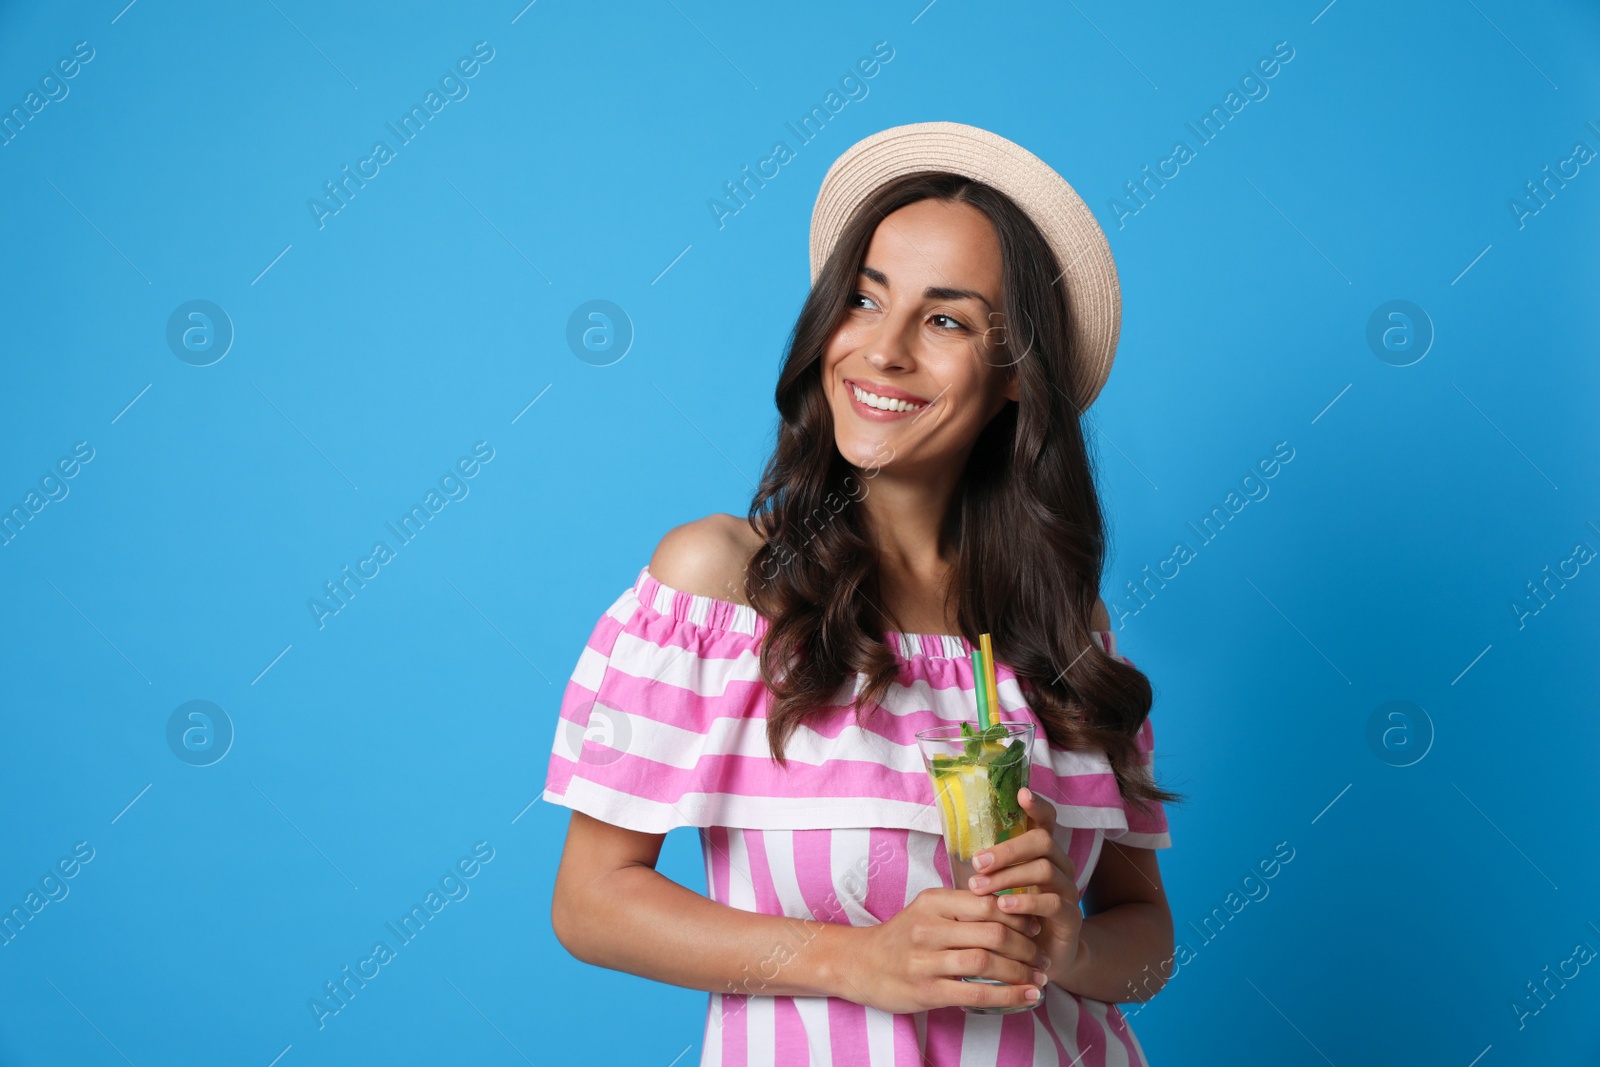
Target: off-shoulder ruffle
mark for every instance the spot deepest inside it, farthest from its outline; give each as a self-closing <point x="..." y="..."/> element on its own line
<point x="669" y="693"/>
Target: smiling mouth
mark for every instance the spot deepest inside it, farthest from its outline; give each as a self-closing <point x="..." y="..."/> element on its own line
<point x="891" y="405"/>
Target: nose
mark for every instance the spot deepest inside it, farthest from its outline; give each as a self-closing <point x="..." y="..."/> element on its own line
<point x="889" y="345"/>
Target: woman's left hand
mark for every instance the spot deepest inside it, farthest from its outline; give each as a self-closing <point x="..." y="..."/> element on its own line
<point x="1034" y="858"/>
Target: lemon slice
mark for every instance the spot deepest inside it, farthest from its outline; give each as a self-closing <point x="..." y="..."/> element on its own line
<point x="953" y="805"/>
<point x="967" y="802"/>
<point x="968" y="810"/>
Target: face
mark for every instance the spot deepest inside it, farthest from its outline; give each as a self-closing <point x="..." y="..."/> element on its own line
<point x="920" y="335"/>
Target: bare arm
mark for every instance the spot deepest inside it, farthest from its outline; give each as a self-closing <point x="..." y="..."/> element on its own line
<point x="1126" y="942"/>
<point x="612" y="908"/>
<point x="1125" y="946"/>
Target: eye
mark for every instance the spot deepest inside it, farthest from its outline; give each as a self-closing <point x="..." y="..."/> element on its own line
<point x="862" y="301"/>
<point x="946" y="323"/>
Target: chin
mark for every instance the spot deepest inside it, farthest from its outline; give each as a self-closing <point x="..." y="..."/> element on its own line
<point x="859" y="453"/>
<point x="866" y="456"/>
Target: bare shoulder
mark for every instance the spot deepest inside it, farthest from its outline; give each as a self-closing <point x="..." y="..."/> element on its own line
<point x="706" y="557"/>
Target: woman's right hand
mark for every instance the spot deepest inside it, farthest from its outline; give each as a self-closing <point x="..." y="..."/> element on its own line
<point x="916" y="959"/>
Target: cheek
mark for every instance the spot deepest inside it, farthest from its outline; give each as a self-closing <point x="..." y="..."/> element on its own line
<point x="842" y="345"/>
<point x="845" y="339"/>
<point x="960" y="367"/>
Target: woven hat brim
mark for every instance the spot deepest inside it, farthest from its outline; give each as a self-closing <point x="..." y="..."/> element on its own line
<point x="1082" y="252"/>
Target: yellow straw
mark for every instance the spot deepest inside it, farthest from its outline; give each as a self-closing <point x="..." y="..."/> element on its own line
<point x="989" y="682"/>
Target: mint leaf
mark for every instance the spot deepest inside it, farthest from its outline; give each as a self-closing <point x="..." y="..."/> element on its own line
<point x="1007" y="775"/>
<point x="970" y="739"/>
<point x="944" y="766"/>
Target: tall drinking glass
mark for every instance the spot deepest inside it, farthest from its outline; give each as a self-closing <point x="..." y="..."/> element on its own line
<point x="975" y="778"/>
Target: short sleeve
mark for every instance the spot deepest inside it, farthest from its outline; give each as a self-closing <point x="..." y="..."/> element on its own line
<point x="655" y="704"/>
<point x="1146" y="829"/>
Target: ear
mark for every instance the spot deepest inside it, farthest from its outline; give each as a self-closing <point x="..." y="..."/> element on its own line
<point x="1013" y="389"/>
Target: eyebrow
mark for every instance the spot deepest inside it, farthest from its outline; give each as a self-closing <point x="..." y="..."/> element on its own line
<point x="933" y="291"/>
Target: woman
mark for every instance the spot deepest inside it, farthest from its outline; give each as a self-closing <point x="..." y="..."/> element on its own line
<point x="931" y="475"/>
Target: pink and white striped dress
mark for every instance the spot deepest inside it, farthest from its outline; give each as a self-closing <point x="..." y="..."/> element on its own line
<point x="663" y="724"/>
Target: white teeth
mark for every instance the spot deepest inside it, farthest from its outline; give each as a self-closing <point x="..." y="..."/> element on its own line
<point x="883" y="403"/>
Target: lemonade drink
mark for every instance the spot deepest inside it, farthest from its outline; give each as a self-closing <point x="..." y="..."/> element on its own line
<point x="976" y="788"/>
<point x="976" y="776"/>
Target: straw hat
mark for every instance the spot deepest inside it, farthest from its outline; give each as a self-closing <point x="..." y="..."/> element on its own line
<point x="1082" y="253"/>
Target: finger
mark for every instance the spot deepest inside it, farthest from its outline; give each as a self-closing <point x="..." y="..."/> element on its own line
<point x="967" y="906"/>
<point x="981" y="963"/>
<point x="1042" y="906"/>
<point x="1014" y="905"/>
<point x="1038" y="872"/>
<point x="1038" y="808"/>
<point x="994" y="937"/>
<point x="1062" y="915"/>
<point x="953" y="991"/>
<point x="1063" y="863"/>
<point x="1026" y="921"/>
<point x="1026" y="845"/>
<point x="1019" y="919"/>
<point x="1053" y="852"/>
<point x="1023" y="924"/>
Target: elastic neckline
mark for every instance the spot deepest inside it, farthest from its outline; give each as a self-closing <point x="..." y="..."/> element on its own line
<point x="721" y="614"/>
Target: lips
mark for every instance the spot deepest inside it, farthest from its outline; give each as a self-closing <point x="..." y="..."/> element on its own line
<point x="870" y="413"/>
<point x="888" y="392"/>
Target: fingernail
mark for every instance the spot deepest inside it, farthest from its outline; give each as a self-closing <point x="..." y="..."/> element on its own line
<point x="1024" y="793"/>
<point x="982" y="860"/>
<point x="1044" y="961"/>
<point x="1039" y="978"/>
<point x="1031" y="994"/>
<point x="979" y="881"/>
<point x="1008" y="901"/>
<point x="1034" y="926"/>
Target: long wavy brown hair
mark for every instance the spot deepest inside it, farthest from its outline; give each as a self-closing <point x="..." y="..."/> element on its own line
<point x="1025" y="520"/>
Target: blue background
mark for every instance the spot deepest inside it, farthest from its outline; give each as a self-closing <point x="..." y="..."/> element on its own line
<point x="371" y="753"/>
